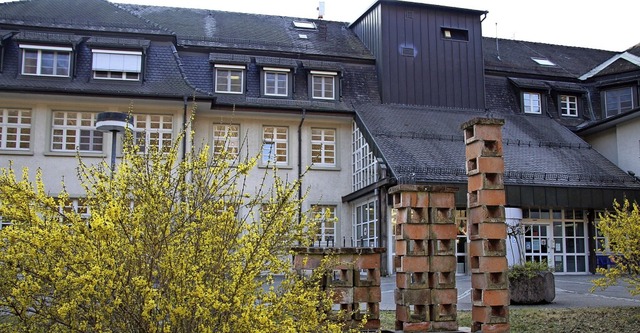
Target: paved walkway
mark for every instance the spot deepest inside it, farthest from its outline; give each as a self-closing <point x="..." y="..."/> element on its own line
<point x="571" y="291"/>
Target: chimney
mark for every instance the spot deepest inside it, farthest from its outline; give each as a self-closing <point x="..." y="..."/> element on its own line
<point x="320" y="10"/>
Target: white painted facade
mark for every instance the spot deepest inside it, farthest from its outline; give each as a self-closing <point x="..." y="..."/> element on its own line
<point x="620" y="144"/>
<point x="56" y="165"/>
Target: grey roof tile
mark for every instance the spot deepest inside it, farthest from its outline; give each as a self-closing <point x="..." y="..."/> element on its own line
<point x="118" y="42"/>
<point x="211" y="28"/>
<point x="162" y="78"/>
<point x="48" y="37"/>
<point x="229" y="58"/>
<point x="95" y="15"/>
<point x="508" y="55"/>
<point x="276" y="61"/>
<point x="423" y="144"/>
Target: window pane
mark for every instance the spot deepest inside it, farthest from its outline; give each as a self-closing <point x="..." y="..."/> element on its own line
<point x="62" y="64"/>
<point x="618" y="100"/>
<point x="30" y="62"/>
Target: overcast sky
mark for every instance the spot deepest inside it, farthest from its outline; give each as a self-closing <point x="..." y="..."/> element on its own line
<point x="610" y="25"/>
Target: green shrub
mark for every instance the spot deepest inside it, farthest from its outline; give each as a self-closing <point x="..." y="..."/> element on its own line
<point x="528" y="270"/>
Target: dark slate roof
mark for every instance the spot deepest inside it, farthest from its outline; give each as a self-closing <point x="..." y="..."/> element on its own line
<point x="118" y="42"/>
<point x="269" y="33"/>
<point x="424" y="145"/>
<point x="95" y="15"/>
<point x="635" y="50"/>
<point x="515" y="56"/>
<point x="163" y="77"/>
<point x="47" y="37"/>
<point x="359" y="82"/>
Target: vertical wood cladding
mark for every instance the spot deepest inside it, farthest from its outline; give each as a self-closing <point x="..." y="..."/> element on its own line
<point x="416" y="63"/>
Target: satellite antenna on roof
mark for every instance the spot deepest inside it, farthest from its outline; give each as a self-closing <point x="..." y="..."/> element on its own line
<point x="320" y="10"/>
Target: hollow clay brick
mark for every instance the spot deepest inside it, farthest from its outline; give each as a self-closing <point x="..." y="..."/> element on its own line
<point x="444" y="296"/>
<point x="412" y="296"/>
<point x="443" y="231"/>
<point x="412" y="280"/>
<point x="367" y="295"/>
<point x="487" y="214"/>
<point x="488" y="231"/>
<point x="490" y="314"/>
<point x="442" y="200"/>
<point x="371" y="278"/>
<point x="442" y="263"/>
<point x="495" y="328"/>
<point x="488" y="247"/>
<point x="414" y="264"/>
<point x="490" y="280"/>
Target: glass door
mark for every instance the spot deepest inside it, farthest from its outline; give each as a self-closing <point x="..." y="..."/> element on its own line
<point x="570" y="246"/>
<point x="536" y="243"/>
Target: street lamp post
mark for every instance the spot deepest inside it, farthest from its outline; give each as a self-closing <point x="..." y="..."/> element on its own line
<point x="114" y="122"/>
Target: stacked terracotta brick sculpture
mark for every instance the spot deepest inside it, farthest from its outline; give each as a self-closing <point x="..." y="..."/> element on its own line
<point x="426" y="294"/>
<point x="486" y="225"/>
<point x="354" y="280"/>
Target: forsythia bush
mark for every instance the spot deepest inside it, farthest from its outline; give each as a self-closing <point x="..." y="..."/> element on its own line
<point x="170" y="245"/>
<point x="621" y="228"/>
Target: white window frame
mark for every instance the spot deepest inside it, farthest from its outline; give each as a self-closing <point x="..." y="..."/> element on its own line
<point x="325" y="219"/>
<point x="154" y="130"/>
<point x="116" y="65"/>
<point x="364" y="164"/>
<point x="275" y="145"/>
<point x="58" y="53"/>
<point x="226" y="137"/>
<point x="532" y="102"/>
<point x="569" y="105"/>
<point x="613" y="97"/>
<point x="323" y="147"/>
<point x="323" y="85"/>
<point x="230" y="83"/>
<point x="15" y="129"/>
<point x="365" y="223"/>
<point x="279" y="81"/>
<point x="71" y="129"/>
<point x="76" y="205"/>
<point x="4" y="222"/>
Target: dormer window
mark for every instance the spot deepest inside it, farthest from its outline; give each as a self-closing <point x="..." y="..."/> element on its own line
<point x="276" y="81"/>
<point x="304" y="25"/>
<point x="323" y="85"/>
<point x="229" y="79"/>
<point x="41" y="60"/>
<point x="618" y="100"/>
<point x="532" y="103"/>
<point x="569" y="105"/>
<point x="543" y="61"/>
<point x="117" y="65"/>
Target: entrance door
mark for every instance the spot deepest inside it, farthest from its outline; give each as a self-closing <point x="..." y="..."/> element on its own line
<point x="537" y="238"/>
<point x="558" y="237"/>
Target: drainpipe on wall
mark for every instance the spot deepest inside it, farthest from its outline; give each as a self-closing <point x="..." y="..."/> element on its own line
<point x="304" y="113"/>
<point x="184" y="128"/>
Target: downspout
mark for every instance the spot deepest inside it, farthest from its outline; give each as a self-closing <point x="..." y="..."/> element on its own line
<point x="184" y="128"/>
<point x="304" y="113"/>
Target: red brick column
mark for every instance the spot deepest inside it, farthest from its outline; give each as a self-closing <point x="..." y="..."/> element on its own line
<point x="426" y="294"/>
<point x="486" y="225"/>
<point x="354" y="279"/>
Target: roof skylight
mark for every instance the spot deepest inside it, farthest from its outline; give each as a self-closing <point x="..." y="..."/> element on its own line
<point x="543" y="61"/>
<point x="304" y="25"/>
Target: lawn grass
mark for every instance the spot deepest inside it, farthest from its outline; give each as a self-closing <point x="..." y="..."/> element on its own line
<point x="583" y="320"/>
